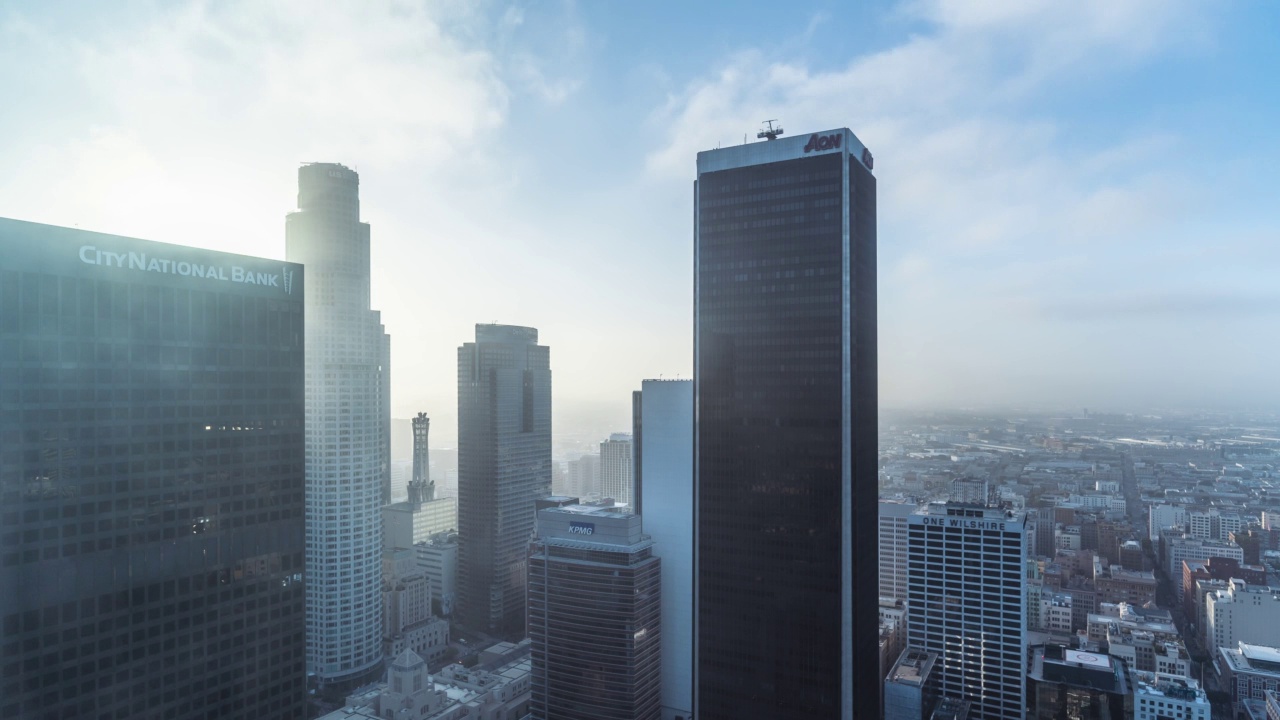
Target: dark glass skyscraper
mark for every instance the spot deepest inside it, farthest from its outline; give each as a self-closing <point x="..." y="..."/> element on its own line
<point x="504" y="465"/>
<point x="785" y="433"/>
<point x="595" y="617"/>
<point x="348" y="428"/>
<point x="151" y="480"/>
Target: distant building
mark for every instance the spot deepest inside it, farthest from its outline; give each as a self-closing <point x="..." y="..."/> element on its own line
<point x="893" y="519"/>
<point x="1120" y="584"/>
<point x="595" y="624"/>
<point x="495" y="690"/>
<point x="663" y="434"/>
<point x="1148" y="643"/>
<point x="1067" y="684"/>
<point x="407" y="523"/>
<point x="616" y="465"/>
<point x="1157" y="696"/>
<point x="1161" y="516"/>
<point x="504" y="465"/>
<point x="582" y="477"/>
<point x="438" y="559"/>
<point x="965" y="598"/>
<point x="408" y="623"/>
<point x="1180" y="548"/>
<point x="910" y="688"/>
<point x="1242" y="612"/>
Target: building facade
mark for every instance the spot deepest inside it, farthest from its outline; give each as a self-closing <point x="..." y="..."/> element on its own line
<point x="348" y="427"/>
<point x="1241" y="611"/>
<point x="893" y="519"/>
<point x="504" y="465"/>
<point x="151" y="479"/>
<point x="664" y="488"/>
<point x="616" y="466"/>
<point x="965" y="592"/>
<point x="595" y="623"/>
<point x="407" y="620"/>
<point x="785" y="449"/>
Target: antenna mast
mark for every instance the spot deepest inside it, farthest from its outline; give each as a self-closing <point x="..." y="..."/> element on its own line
<point x="770" y="132"/>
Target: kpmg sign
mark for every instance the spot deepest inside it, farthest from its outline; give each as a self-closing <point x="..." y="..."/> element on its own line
<point x="581" y="528"/>
<point x="91" y="255"/>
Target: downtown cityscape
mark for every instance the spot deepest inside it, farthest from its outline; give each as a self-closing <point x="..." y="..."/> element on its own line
<point x="791" y="441"/>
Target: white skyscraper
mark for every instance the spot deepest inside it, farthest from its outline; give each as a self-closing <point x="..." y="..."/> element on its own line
<point x="348" y="427"/>
<point x="965" y="589"/>
<point x="616" y="466"/>
<point x="663" y="433"/>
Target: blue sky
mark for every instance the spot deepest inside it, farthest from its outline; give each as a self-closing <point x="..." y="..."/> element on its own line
<point x="1077" y="201"/>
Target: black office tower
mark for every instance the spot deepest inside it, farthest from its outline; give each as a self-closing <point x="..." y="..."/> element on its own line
<point x="151" y="480"/>
<point x="504" y="466"/>
<point x="785" y="431"/>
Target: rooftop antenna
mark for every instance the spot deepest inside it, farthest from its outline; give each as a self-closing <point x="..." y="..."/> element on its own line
<point x="771" y="132"/>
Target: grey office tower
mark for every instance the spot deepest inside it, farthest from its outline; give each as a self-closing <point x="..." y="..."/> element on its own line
<point x="785" y="447"/>
<point x="504" y="465"/>
<point x="348" y="428"/>
<point x="151" y="479"/>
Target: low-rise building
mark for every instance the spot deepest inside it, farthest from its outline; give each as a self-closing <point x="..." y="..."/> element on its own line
<point x="1069" y="683"/>
<point x="1122" y="585"/>
<point x="1248" y="672"/>
<point x="909" y="687"/>
<point x="498" y="691"/>
<point x="1157" y="696"/>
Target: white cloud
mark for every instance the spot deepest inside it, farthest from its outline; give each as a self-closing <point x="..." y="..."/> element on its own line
<point x="987" y="203"/>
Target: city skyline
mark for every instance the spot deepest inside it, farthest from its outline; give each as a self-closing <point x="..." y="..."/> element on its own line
<point x="1072" y="188"/>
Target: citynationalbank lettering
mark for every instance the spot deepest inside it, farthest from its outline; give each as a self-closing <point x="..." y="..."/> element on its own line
<point x="91" y="255"/>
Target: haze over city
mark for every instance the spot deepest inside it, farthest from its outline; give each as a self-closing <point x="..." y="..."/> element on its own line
<point x="1076" y="200"/>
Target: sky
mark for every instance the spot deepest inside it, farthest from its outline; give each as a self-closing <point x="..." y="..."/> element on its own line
<point x="1077" y="202"/>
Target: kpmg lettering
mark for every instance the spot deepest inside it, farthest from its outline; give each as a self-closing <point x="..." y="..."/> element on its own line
<point x="580" y="528"/>
<point x="965" y="524"/>
<point x="824" y="142"/>
<point x="91" y="255"/>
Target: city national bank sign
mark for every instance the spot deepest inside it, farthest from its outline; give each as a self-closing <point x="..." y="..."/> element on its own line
<point x="964" y="523"/>
<point x="91" y="255"/>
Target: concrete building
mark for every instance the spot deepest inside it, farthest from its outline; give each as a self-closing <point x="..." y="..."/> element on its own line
<point x="595" y="625"/>
<point x="582" y="477"/>
<point x="1180" y="548"/>
<point x="1148" y="644"/>
<point x="407" y="523"/>
<point x="504" y="465"/>
<point x="438" y="558"/>
<point x="408" y="623"/>
<point x="497" y="689"/>
<point x="1241" y="612"/>
<point x="893" y="518"/>
<point x="785" y="447"/>
<point x="422" y="456"/>
<point x="1161" y="516"/>
<point x="616" y="468"/>
<point x="910" y="689"/>
<point x="151" y="479"/>
<point x="966" y="599"/>
<point x="1121" y="585"/>
<point x="663" y="435"/>
<point x="348" y="427"/>
<point x="1247" y="672"/>
<point x="1065" y="683"/>
<point x="1157" y="696"/>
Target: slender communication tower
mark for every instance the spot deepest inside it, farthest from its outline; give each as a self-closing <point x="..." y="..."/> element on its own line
<point x="770" y="132"/>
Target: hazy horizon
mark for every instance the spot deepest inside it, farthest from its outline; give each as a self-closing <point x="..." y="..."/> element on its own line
<point x="1075" y="201"/>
